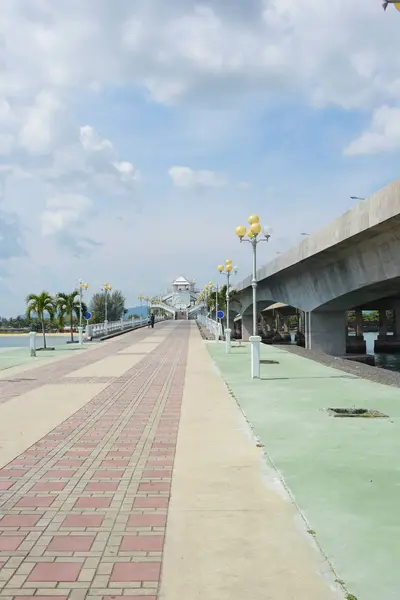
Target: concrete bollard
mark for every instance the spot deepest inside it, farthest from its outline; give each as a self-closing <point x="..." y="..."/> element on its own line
<point x="80" y="335"/>
<point x="32" y="342"/>
<point x="255" y="348"/>
<point x="228" y="340"/>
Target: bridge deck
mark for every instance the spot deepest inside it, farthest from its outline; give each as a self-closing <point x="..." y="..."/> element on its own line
<point x="101" y="451"/>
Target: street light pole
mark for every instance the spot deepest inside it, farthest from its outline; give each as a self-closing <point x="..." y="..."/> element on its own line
<point x="254" y="231"/>
<point x="82" y="286"/>
<point x="106" y="288"/>
<point x="227" y="270"/>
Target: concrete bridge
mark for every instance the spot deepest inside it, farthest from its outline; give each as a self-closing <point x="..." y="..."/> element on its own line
<point x="352" y="263"/>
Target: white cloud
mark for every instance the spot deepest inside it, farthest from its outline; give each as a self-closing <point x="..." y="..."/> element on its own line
<point x="189" y="178"/>
<point x="36" y="134"/>
<point x="126" y="170"/>
<point x="64" y="211"/>
<point x="209" y="58"/>
<point x="383" y="134"/>
<point x="92" y="142"/>
<point x="204" y="49"/>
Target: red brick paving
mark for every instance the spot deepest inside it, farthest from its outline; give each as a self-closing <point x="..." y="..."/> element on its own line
<point x="142" y="543"/>
<point x="57" y="572"/>
<point x="70" y="543"/>
<point x="85" y="508"/>
<point x="136" y="571"/>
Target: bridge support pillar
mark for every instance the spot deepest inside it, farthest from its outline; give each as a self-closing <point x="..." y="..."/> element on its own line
<point x="355" y="344"/>
<point x="385" y="342"/>
<point x="247" y="327"/>
<point x="326" y="332"/>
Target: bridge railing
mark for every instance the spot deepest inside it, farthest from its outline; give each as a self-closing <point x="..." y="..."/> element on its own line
<point x="101" y="329"/>
<point x="168" y="309"/>
<point x="212" y="326"/>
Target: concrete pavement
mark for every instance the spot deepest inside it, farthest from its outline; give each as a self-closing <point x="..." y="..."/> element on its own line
<point x="232" y="532"/>
<point x="89" y="449"/>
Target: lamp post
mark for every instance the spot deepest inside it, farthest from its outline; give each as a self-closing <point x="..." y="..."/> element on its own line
<point x="106" y="288"/>
<point x="253" y="232"/>
<point x="82" y="286"/>
<point x="141" y="307"/>
<point x="211" y="290"/>
<point x="227" y="270"/>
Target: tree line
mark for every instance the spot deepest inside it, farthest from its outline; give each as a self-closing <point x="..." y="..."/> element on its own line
<point x="48" y="313"/>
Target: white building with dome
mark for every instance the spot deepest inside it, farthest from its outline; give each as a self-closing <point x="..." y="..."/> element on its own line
<point x="183" y="295"/>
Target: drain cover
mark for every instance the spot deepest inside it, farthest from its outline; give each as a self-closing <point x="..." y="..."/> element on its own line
<point x="357" y="412"/>
<point x="269" y="362"/>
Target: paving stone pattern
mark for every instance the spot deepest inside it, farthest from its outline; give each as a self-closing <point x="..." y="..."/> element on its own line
<point x="54" y="373"/>
<point x="84" y="509"/>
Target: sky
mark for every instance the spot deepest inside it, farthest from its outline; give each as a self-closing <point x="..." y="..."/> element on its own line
<point x="136" y="136"/>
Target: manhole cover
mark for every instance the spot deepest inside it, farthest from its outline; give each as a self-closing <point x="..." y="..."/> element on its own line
<point x="269" y="362"/>
<point x="357" y="412"/>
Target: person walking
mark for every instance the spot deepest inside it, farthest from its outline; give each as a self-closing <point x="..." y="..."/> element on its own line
<point x="152" y="320"/>
<point x="149" y="321"/>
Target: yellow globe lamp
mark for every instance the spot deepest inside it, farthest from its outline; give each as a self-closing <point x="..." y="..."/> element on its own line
<point x="241" y="231"/>
<point x="210" y="284"/>
<point x="250" y="234"/>
<point x="397" y="6"/>
<point x="253" y="219"/>
<point x="228" y="261"/>
<point x="228" y="268"/>
<point x="220" y="268"/>
<point x="255" y="228"/>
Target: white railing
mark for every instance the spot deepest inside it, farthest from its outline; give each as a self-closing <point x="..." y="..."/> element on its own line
<point x="165" y="307"/>
<point x="212" y="326"/>
<point x="102" y="329"/>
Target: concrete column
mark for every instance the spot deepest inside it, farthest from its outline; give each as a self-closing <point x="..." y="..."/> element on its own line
<point x="326" y="332"/>
<point x="247" y="327"/>
<point x="359" y="322"/>
<point x="382" y="322"/>
<point x="396" y="320"/>
<point x="285" y="324"/>
<point x="301" y="328"/>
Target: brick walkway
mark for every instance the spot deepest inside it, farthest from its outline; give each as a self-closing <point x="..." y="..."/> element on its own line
<point x="84" y="509"/>
<point x="53" y="373"/>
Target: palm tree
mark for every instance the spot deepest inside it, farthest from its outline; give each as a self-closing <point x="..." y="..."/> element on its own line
<point x="41" y="304"/>
<point x="68" y="304"/>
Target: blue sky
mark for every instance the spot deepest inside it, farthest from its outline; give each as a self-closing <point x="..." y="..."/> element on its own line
<point x="135" y="137"/>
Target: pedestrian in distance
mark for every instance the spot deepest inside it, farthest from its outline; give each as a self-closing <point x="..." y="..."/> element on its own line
<point x="152" y="320"/>
<point x="149" y="321"/>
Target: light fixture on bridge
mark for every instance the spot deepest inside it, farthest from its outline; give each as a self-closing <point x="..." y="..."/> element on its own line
<point x="82" y="286"/>
<point x="227" y="269"/>
<point x="255" y="235"/>
<point x="106" y="289"/>
<point x="387" y="2"/>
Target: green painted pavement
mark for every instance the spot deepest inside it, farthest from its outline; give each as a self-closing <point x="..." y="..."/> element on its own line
<point x="14" y="357"/>
<point x="344" y="473"/>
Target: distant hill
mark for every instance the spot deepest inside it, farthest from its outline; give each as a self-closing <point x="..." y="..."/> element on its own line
<point x="141" y="311"/>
